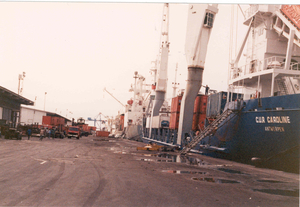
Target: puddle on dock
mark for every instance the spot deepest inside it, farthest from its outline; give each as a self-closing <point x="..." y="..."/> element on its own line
<point x="99" y="140"/>
<point x="291" y="193"/>
<point x="270" y="181"/>
<point x="230" y="171"/>
<point x="152" y="160"/>
<point x="213" y="180"/>
<point x="175" y="158"/>
<point x="117" y="150"/>
<point x="120" y="152"/>
<point x="183" y="172"/>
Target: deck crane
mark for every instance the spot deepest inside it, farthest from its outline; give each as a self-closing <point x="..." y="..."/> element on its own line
<point x="199" y="26"/>
<point x="162" y="73"/>
<point x="162" y="63"/>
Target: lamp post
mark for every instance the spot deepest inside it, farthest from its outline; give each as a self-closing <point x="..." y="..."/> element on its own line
<point x="45" y="101"/>
<point x="21" y="78"/>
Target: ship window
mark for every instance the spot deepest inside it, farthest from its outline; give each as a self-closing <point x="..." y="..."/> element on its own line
<point x="209" y="19"/>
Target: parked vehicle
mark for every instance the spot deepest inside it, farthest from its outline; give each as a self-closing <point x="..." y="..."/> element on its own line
<point x="8" y="131"/>
<point x="73" y="131"/>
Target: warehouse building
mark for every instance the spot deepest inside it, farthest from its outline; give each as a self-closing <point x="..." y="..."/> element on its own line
<point x="10" y="106"/>
<point x="35" y="116"/>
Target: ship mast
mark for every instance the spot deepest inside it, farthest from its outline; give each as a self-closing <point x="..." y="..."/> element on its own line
<point x="175" y="84"/>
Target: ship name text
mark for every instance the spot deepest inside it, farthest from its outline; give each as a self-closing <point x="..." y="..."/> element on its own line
<point x="273" y="119"/>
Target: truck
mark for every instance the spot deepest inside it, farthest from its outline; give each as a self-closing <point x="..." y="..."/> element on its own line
<point x="73" y="131"/>
<point x="84" y="128"/>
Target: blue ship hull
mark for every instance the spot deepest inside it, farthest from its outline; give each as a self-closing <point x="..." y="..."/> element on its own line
<point x="265" y="132"/>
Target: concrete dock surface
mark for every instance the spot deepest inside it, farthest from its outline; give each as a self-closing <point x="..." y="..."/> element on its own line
<point x="96" y="171"/>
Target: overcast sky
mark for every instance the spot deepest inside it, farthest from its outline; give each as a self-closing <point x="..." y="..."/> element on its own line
<point x="73" y="50"/>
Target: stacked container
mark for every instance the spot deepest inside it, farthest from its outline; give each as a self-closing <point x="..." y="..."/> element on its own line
<point x="202" y="112"/>
<point x="199" y="115"/>
<point x="175" y="111"/>
<point x="46" y="120"/>
<point x="55" y="121"/>
<point x="121" y="127"/>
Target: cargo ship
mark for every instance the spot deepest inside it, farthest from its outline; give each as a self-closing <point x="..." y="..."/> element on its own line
<point x="265" y="129"/>
<point x="257" y="120"/>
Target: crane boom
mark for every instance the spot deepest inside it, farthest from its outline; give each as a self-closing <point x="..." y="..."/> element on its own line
<point x="113" y="97"/>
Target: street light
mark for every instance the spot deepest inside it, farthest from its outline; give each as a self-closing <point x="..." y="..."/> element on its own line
<point x="21" y="78"/>
<point x="45" y="101"/>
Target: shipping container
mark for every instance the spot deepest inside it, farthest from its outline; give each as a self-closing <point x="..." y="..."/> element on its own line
<point x="85" y="127"/>
<point x="174" y="120"/>
<point x="195" y="121"/>
<point x="176" y="103"/>
<point x="102" y="133"/>
<point x="216" y="103"/>
<point x="201" y="121"/>
<point x="46" y="120"/>
<point x="121" y="122"/>
<point x="91" y="128"/>
<point x="203" y="104"/>
<point x="197" y="104"/>
<point x="55" y="120"/>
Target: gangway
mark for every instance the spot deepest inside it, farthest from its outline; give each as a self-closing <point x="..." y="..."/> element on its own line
<point x="207" y="131"/>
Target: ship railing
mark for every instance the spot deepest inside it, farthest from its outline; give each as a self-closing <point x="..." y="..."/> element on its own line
<point x="263" y="8"/>
<point x="250" y="11"/>
<point x="274" y="62"/>
<point x="295" y="66"/>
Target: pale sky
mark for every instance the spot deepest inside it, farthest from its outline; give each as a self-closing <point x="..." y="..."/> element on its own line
<point x="73" y="50"/>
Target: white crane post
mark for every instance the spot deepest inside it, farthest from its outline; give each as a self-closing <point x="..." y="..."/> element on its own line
<point x="162" y="72"/>
<point x="199" y="25"/>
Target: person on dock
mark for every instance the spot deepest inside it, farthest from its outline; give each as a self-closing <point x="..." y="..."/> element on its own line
<point x="29" y="133"/>
<point x="42" y="133"/>
<point x="53" y="133"/>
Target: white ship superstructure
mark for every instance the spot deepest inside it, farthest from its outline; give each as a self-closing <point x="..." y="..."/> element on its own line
<point x="272" y="54"/>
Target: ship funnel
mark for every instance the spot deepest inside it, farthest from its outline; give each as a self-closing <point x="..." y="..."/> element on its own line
<point x="199" y="25"/>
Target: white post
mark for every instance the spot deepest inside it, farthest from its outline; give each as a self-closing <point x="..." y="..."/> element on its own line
<point x="272" y="85"/>
<point x="258" y="83"/>
<point x="289" y="50"/>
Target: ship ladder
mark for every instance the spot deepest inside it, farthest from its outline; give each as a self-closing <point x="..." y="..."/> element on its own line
<point x="282" y="87"/>
<point x="207" y="131"/>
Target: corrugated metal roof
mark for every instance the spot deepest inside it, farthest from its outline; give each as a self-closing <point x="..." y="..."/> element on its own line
<point x="4" y="92"/>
